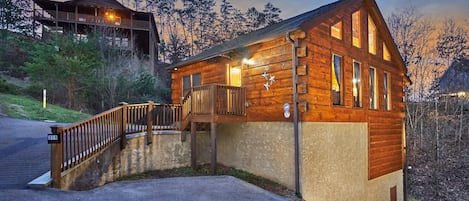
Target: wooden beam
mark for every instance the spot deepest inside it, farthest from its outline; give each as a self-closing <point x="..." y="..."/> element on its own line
<point x="193" y="146"/>
<point x="213" y="141"/>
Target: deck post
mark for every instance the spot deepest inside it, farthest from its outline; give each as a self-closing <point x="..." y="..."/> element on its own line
<point x="213" y="142"/>
<point x="56" y="158"/>
<point x="123" y="124"/>
<point x="193" y="146"/>
<point x="150" y="122"/>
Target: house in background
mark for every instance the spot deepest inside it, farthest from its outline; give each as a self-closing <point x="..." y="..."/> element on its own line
<point x="314" y="102"/>
<point x="124" y="28"/>
<point x="455" y="81"/>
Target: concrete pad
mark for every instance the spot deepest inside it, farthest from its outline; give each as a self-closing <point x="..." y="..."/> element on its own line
<point x="171" y="189"/>
<point x="42" y="181"/>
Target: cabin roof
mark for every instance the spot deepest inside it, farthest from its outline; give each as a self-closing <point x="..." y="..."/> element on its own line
<point x="261" y="35"/>
<point x="456" y="77"/>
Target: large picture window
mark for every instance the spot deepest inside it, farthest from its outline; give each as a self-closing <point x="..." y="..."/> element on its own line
<point x="337" y="79"/>
<point x="356" y="29"/>
<point x="373" y="89"/>
<point x="357" y="85"/>
<point x="387" y="91"/>
<point x="190" y="81"/>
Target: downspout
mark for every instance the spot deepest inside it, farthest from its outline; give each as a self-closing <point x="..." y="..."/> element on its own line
<point x="295" y="112"/>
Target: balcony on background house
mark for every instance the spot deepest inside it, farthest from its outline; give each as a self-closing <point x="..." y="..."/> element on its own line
<point x="214" y="103"/>
<point x="111" y="20"/>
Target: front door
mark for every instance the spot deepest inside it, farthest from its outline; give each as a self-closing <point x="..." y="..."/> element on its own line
<point x="234" y="79"/>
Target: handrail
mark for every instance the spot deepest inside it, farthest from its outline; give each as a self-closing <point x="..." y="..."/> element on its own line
<point x="84" y="139"/>
<point x="91" y="19"/>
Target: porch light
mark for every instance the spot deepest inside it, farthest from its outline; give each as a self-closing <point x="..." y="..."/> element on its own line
<point x="248" y="61"/>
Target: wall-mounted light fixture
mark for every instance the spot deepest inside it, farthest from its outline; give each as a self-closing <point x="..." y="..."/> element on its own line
<point x="248" y="61"/>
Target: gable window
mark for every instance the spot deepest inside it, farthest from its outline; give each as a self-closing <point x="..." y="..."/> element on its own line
<point x="371" y="36"/>
<point x="357" y="85"/>
<point x="337" y="78"/>
<point x="386" y="54"/>
<point x="356" y="29"/>
<point x="387" y="91"/>
<point x="373" y="89"/>
<point x="336" y="30"/>
<point x="190" y="81"/>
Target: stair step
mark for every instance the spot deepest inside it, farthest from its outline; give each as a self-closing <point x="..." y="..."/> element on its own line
<point x="41" y="182"/>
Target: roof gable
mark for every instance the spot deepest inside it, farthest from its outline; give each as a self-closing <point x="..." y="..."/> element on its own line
<point x="456" y="77"/>
<point x="310" y="18"/>
<point x="385" y="34"/>
<point x="261" y="35"/>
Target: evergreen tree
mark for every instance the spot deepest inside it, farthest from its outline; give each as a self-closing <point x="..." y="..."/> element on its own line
<point x="15" y="16"/>
<point x="254" y="19"/>
<point x="271" y="14"/>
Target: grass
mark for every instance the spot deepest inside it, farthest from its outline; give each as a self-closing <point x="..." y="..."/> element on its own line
<point x="28" y="108"/>
<point x="204" y="170"/>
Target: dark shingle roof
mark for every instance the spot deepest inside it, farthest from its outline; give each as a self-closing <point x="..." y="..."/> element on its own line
<point x="456" y="78"/>
<point x="258" y="36"/>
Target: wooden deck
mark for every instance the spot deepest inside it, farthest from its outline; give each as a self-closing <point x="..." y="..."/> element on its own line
<point x="214" y="104"/>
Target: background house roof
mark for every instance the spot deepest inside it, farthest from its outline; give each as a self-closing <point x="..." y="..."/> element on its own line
<point x="260" y="35"/>
<point x="456" y="78"/>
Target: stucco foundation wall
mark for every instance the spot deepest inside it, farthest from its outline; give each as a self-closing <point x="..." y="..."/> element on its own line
<point x="261" y="148"/>
<point x="334" y="164"/>
<point x="167" y="151"/>
<point x="379" y="188"/>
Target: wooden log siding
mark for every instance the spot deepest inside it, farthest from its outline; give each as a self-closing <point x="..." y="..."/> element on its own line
<point x="274" y="57"/>
<point x="385" y="127"/>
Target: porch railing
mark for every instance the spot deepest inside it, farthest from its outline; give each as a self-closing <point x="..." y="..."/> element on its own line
<point x="90" y="19"/>
<point x="84" y="139"/>
<point x="214" y="100"/>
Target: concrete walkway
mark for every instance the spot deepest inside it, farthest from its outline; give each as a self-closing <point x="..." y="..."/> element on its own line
<point x="24" y="155"/>
<point x="224" y="188"/>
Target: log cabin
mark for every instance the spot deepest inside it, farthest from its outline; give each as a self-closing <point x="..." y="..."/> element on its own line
<point x="315" y="102"/>
<point x="123" y="27"/>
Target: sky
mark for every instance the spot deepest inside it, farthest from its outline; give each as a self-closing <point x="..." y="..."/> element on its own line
<point x="435" y="8"/>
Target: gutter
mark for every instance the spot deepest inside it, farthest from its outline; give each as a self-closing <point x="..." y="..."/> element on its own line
<point x="294" y="43"/>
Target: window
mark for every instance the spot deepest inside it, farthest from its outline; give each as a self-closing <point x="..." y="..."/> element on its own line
<point x="373" y="89"/>
<point x="371" y="36"/>
<point x="386" y="54"/>
<point x="336" y="30"/>
<point x="337" y="75"/>
<point x="357" y="85"/>
<point x="356" y="32"/>
<point x="190" y="81"/>
<point x="387" y="91"/>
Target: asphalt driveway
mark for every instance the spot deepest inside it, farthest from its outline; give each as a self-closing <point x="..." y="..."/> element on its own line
<point x="24" y="152"/>
<point x="25" y="155"/>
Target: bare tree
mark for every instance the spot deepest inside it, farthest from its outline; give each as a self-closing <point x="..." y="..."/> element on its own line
<point x="452" y="41"/>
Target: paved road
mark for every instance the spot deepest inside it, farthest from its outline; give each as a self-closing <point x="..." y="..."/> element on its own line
<point x="24" y="152"/>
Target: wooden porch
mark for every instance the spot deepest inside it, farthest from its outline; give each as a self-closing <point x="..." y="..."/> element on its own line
<point x="202" y="107"/>
<point x="209" y="105"/>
